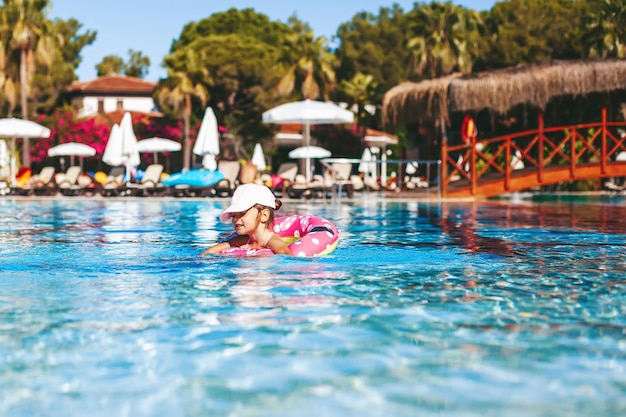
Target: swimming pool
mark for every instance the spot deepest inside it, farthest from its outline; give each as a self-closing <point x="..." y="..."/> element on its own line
<point x="499" y="308"/>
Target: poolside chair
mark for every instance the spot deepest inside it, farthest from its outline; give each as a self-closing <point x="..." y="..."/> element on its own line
<point x="227" y="186"/>
<point x="413" y="178"/>
<point x="285" y="176"/>
<point x="44" y="182"/>
<point x="337" y="178"/>
<point x="300" y="188"/>
<point x="29" y="184"/>
<point x="67" y="182"/>
<point x="114" y="184"/>
<point x="150" y="183"/>
<point x="22" y="179"/>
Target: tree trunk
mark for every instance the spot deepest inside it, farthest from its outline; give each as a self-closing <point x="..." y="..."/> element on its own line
<point x="186" y="141"/>
<point x="24" y="103"/>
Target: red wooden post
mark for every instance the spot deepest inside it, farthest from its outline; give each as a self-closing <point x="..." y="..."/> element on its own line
<point x="507" y="164"/>
<point x="443" y="176"/>
<point x="473" y="164"/>
<point x="573" y="157"/>
<point x="540" y="144"/>
<point x="603" y="158"/>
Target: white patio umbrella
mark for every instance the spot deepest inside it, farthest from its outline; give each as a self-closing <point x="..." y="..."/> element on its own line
<point x="72" y="149"/>
<point x="19" y="128"/>
<point x="310" y="152"/>
<point x="307" y="113"/>
<point x="157" y="145"/>
<point x="208" y="141"/>
<point x="258" y="157"/>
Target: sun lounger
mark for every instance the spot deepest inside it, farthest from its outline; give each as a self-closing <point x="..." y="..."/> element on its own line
<point x="336" y="179"/>
<point x="285" y="176"/>
<point x="114" y="184"/>
<point x="150" y="183"/>
<point x="44" y="182"/>
<point x="226" y="186"/>
<point x="67" y="182"/>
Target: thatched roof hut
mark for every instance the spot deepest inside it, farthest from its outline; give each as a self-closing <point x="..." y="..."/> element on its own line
<point x="499" y="90"/>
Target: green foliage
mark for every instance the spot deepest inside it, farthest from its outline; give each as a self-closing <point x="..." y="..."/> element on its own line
<point x="374" y="45"/>
<point x="605" y="29"/>
<point x="526" y="31"/>
<point x="443" y="39"/>
<point x="137" y="65"/>
<point x="110" y="64"/>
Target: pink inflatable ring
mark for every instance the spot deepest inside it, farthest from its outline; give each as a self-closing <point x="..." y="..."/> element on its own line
<point x="305" y="235"/>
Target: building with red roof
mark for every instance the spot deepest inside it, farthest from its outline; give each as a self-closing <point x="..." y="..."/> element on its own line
<point x="111" y="93"/>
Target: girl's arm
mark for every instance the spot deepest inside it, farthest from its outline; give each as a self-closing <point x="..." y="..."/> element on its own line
<point x="277" y="245"/>
<point x="218" y="247"/>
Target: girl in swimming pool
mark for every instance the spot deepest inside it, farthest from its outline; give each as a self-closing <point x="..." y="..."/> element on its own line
<point x="251" y="211"/>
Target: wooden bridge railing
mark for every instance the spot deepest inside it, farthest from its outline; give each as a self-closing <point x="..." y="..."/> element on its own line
<point x="538" y="151"/>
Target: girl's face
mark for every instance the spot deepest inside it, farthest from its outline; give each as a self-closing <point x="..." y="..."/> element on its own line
<point x="246" y="222"/>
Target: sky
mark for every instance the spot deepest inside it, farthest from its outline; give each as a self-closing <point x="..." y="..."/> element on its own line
<point x="150" y="26"/>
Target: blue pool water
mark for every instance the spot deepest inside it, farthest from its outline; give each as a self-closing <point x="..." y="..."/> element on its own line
<point x="497" y="308"/>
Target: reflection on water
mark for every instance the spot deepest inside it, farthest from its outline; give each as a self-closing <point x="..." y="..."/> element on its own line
<point x="491" y="308"/>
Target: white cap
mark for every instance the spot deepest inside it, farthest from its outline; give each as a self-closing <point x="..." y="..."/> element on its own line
<point x="246" y="196"/>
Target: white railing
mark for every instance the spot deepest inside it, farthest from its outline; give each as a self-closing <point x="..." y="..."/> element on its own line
<point x="417" y="172"/>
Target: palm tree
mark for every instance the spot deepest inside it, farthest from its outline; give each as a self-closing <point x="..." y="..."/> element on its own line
<point x="185" y="81"/>
<point x="306" y="60"/>
<point x="444" y="39"/>
<point x="360" y="91"/>
<point x="7" y="85"/>
<point x="605" y="34"/>
<point x="29" y="34"/>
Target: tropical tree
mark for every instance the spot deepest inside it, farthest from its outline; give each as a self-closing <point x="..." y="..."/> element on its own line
<point x="305" y="61"/>
<point x="30" y="35"/>
<point x="137" y="65"/>
<point x="374" y="45"/>
<point x="605" y="29"/>
<point x="526" y="31"/>
<point x="50" y="80"/>
<point x="443" y="39"/>
<point x="110" y="64"/>
<point x="52" y="72"/>
<point x="185" y="81"/>
<point x="361" y="92"/>
<point x="240" y="48"/>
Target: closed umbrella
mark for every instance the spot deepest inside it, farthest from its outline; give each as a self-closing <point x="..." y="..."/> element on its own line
<point x="121" y="146"/>
<point x="307" y="113"/>
<point x="208" y="141"/>
<point x="4" y="160"/>
<point x="380" y="140"/>
<point x="113" y="151"/>
<point x="367" y="166"/>
<point x="129" y="141"/>
<point x="72" y="149"/>
<point x="258" y="158"/>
